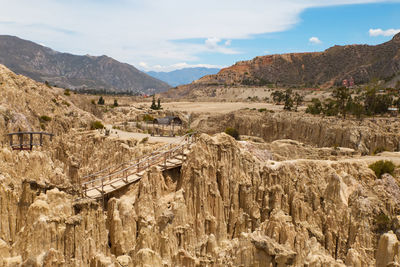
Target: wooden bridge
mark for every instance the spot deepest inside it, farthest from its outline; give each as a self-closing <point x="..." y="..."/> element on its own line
<point x="108" y="180"/>
<point x="27" y="140"/>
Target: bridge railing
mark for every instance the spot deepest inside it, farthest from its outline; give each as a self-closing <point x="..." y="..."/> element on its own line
<point x="112" y="169"/>
<point x="127" y="169"/>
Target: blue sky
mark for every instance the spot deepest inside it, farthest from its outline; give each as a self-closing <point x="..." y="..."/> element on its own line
<point x="165" y="35"/>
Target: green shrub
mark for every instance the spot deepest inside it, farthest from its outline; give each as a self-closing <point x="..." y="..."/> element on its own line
<point x="66" y="103"/>
<point x="94" y="125"/>
<point x="47" y="84"/>
<point x="232" y="132"/>
<point x="144" y="140"/>
<point x="148" y="117"/>
<point x="315" y="108"/>
<point x="44" y="118"/>
<point x="262" y="109"/>
<point x="93" y="102"/>
<point x="67" y="92"/>
<point x="115" y="103"/>
<point x="378" y="150"/>
<point x="381" y="167"/>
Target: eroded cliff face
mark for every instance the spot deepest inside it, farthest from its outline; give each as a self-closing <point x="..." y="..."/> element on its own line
<point x="365" y="136"/>
<point x="223" y="207"/>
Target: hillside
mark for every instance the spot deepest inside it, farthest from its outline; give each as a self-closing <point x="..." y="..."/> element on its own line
<point x="182" y="76"/>
<point x="71" y="71"/>
<point x="327" y="68"/>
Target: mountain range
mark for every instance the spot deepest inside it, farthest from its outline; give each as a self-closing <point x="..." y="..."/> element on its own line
<point x="183" y="76"/>
<point x="362" y="63"/>
<point x="72" y="71"/>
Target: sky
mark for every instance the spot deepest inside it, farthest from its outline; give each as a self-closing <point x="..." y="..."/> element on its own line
<point x="164" y="35"/>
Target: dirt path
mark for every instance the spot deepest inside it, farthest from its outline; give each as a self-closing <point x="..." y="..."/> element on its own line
<point x="214" y="107"/>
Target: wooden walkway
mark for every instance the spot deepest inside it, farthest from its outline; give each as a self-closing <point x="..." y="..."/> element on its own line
<point x="108" y="180"/>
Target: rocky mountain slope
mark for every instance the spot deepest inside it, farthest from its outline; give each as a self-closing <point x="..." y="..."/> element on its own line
<point x="327" y="68"/>
<point x="76" y="72"/>
<point x="182" y="76"/>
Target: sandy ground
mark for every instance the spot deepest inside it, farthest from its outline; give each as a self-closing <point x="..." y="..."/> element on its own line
<point x="214" y="107"/>
<point x="392" y="156"/>
<point x="122" y="135"/>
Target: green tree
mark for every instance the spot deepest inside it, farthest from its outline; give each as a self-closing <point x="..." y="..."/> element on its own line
<point x="342" y="97"/>
<point x="153" y="103"/>
<point x="330" y="107"/>
<point x="158" y="103"/>
<point x="298" y="100"/>
<point x="376" y="103"/>
<point x="288" y="100"/>
<point x="355" y="107"/>
<point x="101" y="101"/>
<point x="278" y="96"/>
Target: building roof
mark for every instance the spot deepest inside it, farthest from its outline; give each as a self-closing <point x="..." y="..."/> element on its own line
<point x="168" y="120"/>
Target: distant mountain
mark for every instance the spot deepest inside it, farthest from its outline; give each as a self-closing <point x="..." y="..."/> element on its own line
<point x="71" y="71"/>
<point x="182" y="76"/>
<point x="325" y="69"/>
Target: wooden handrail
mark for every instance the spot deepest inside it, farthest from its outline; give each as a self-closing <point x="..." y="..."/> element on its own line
<point x="182" y="139"/>
<point x="140" y="164"/>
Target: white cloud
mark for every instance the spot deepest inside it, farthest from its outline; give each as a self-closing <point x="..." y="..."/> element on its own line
<point x="136" y="31"/>
<point x="315" y="40"/>
<point x="378" y="32"/>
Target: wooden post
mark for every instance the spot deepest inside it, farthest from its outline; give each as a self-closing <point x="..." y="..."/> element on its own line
<point x="11" y="140"/>
<point x="31" y="140"/>
<point x="21" y="140"/>
<point x="102" y="191"/>
<point x="41" y="139"/>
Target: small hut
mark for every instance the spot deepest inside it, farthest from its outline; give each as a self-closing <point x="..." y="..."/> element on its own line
<point x="168" y="124"/>
<point x="393" y="111"/>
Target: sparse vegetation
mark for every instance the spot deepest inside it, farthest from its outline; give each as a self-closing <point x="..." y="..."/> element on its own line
<point x="115" y="103"/>
<point x="315" y="107"/>
<point x="381" y="167"/>
<point x="148" y="117"/>
<point x="67" y="92"/>
<point x="47" y="84"/>
<point x="379" y="150"/>
<point x="233" y="132"/>
<point x="371" y="101"/>
<point x="66" y="103"/>
<point x="94" y="125"/>
<point x="44" y="118"/>
<point x="144" y="140"/>
<point x="262" y="109"/>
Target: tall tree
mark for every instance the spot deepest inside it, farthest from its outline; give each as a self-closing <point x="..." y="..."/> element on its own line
<point x="342" y="97"/>
<point x="153" y="103"/>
